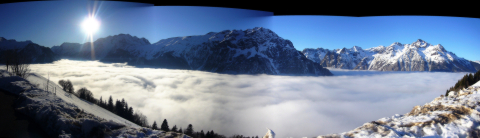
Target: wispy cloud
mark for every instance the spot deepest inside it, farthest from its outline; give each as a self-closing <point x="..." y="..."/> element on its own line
<point x="292" y="106"/>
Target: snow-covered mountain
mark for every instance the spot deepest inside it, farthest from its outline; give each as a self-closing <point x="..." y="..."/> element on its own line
<point x="251" y="51"/>
<point x="455" y="115"/>
<point x="475" y="64"/>
<point x="418" y="56"/>
<point x="65" y="115"/>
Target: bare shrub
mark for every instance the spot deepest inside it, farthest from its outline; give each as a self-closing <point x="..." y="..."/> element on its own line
<point x="456" y="113"/>
<point x="18" y="65"/>
<point x="67" y="86"/>
<point x="445" y="118"/>
<point x="84" y="93"/>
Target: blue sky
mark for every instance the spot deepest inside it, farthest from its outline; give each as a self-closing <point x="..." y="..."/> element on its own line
<point x="50" y="23"/>
<point x="457" y="34"/>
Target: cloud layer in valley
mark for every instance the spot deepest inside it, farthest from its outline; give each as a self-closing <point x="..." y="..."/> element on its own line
<point x="292" y="106"/>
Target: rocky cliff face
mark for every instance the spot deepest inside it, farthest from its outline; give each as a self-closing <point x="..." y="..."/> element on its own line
<point x="418" y="56"/>
<point x="251" y="51"/>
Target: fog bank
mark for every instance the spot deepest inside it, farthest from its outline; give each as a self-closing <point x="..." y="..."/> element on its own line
<point x="292" y="106"/>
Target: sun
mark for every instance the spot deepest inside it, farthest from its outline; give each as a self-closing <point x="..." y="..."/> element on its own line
<point x="90" y="25"/>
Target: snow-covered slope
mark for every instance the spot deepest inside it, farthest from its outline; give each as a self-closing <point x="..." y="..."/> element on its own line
<point x="251" y="51"/>
<point x="418" y="56"/>
<point x="65" y="115"/>
<point x="457" y="115"/>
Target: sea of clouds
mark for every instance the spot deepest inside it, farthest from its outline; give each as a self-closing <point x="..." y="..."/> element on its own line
<point x="292" y="106"/>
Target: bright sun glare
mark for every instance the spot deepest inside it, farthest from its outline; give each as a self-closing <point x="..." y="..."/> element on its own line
<point x="90" y="25"/>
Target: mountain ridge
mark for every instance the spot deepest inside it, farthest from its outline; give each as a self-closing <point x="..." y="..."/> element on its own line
<point x="417" y="56"/>
<point x="251" y="51"/>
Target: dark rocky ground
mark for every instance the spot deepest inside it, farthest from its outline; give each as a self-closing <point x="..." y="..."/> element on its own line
<point x="15" y="124"/>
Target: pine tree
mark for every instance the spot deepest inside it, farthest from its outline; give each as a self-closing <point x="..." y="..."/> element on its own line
<point x="189" y="131"/>
<point x="122" y="112"/>
<point x="164" y="126"/>
<point x="154" y="126"/>
<point x="456" y="85"/>
<point x="462" y="84"/>
<point x="202" y="134"/>
<point x="118" y="108"/>
<point x="476" y="77"/>
<point x="470" y="79"/>
<point x="125" y="110"/>
<point x="100" y="102"/>
<point x="130" y="114"/>
<point x="106" y="104"/>
<point x="180" y="130"/>
<point x="174" y="128"/>
<point x="110" y="104"/>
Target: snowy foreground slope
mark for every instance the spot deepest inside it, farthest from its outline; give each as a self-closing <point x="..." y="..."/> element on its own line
<point x="457" y="115"/>
<point x="65" y="115"/>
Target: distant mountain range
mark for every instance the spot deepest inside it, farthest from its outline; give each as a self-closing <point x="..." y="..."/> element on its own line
<point x="418" y="56"/>
<point x="252" y="51"/>
<point x="34" y="52"/>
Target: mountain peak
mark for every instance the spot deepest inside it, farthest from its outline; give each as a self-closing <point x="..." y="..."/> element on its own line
<point x="420" y="43"/>
<point x="420" y="40"/>
<point x="2" y="39"/>
<point x="343" y="50"/>
<point x="128" y="36"/>
<point x="257" y="29"/>
<point x="398" y="43"/>
<point x="356" y="48"/>
<point x="438" y="48"/>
